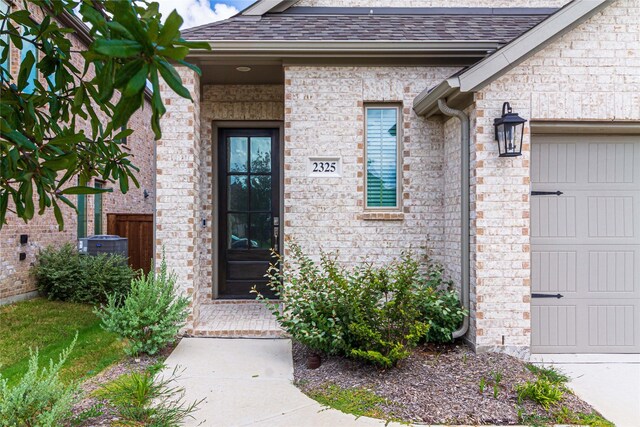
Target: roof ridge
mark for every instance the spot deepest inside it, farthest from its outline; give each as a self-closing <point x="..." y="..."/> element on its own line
<point x="348" y="11"/>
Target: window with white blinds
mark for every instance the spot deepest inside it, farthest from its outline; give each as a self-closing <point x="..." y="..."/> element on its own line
<point x="29" y="49"/>
<point x="382" y="157"/>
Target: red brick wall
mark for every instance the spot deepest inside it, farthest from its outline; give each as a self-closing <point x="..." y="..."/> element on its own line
<point x="15" y="278"/>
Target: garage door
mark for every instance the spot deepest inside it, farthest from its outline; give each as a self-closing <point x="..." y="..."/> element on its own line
<point x="585" y="244"/>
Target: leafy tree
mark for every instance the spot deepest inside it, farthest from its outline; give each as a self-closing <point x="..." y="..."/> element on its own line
<point x="44" y="140"/>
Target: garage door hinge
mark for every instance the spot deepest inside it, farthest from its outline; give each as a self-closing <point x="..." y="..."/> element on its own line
<point x="547" y="296"/>
<point x="546" y="193"/>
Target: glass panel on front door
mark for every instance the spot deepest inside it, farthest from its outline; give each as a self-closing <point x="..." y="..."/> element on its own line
<point x="249" y="192"/>
<point x="249" y="218"/>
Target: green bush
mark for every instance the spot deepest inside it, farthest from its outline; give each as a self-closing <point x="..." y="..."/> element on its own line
<point x="64" y="274"/>
<point x="40" y="399"/>
<point x="146" y="399"/>
<point x="385" y="319"/>
<point x="541" y="391"/>
<point x="151" y="314"/>
<point x="367" y="313"/>
<point x="313" y="302"/>
<point x="439" y="305"/>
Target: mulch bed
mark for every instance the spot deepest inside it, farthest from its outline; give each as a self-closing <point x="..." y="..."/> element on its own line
<point x="435" y="385"/>
<point x="108" y="413"/>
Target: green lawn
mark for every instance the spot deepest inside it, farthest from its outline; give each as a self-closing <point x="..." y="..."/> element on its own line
<point x="50" y="327"/>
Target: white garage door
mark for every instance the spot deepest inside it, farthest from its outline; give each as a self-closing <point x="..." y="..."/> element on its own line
<point x="585" y="244"/>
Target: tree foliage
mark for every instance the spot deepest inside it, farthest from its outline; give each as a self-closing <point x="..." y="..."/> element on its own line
<point x="45" y="142"/>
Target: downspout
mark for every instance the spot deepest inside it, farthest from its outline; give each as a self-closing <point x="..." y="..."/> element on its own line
<point x="464" y="211"/>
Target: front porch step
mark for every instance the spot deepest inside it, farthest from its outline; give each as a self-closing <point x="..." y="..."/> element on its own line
<point x="236" y="319"/>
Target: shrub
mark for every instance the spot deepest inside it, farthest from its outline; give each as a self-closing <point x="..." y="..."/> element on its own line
<point x="367" y="313"/>
<point x="144" y="399"/>
<point x="549" y="373"/>
<point x="151" y="314"/>
<point x="385" y="320"/>
<point x="40" y="398"/>
<point x="442" y="312"/>
<point x="310" y="303"/>
<point x="541" y="391"/>
<point x="64" y="274"/>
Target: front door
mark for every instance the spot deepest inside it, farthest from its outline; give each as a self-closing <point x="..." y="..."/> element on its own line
<point x="249" y="203"/>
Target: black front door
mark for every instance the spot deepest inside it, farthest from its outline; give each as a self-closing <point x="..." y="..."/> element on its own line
<point x="249" y="203"/>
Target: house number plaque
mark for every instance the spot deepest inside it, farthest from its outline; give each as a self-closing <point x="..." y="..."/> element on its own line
<point x="324" y="167"/>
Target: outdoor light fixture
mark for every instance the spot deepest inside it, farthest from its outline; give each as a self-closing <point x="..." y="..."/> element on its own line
<point x="243" y="69"/>
<point x="509" y="132"/>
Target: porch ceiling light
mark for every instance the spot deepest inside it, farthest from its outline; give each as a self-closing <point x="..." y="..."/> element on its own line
<point x="243" y="69"/>
<point x="509" y="132"/>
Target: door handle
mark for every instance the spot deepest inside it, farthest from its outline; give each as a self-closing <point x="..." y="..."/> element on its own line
<point x="276" y="232"/>
<point x="546" y="193"/>
<point x="547" y="296"/>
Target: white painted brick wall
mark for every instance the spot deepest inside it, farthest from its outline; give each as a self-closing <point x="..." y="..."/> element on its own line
<point x="324" y="116"/>
<point x="592" y="72"/>
<point x="178" y="188"/>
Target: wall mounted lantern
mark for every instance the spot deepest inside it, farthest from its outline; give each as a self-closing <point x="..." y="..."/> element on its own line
<point x="509" y="132"/>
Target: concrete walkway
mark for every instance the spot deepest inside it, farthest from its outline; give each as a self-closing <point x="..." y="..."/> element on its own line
<point x="609" y="383"/>
<point x="248" y="382"/>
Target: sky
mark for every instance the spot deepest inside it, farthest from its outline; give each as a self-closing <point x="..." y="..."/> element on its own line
<point x="198" y="12"/>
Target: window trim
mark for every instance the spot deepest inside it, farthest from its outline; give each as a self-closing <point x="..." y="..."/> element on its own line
<point x="81" y="216"/>
<point x="399" y="147"/>
<point x="97" y="219"/>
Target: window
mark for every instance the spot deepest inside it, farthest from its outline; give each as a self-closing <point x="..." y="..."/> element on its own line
<point x="28" y="49"/>
<point x="4" y="45"/>
<point x="382" y="157"/>
<point x="97" y="209"/>
<point x="82" y="212"/>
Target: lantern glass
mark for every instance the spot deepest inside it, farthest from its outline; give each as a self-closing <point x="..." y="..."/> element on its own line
<point x="510" y="138"/>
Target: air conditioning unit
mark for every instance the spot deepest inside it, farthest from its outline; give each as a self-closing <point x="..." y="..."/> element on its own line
<point x="104" y="244"/>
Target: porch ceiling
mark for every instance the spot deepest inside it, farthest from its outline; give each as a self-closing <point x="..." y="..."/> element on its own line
<point x="229" y="74"/>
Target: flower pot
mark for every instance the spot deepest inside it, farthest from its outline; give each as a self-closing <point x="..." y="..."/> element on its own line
<point x="313" y="361"/>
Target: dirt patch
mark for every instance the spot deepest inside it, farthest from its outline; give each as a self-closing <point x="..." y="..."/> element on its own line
<point x="436" y="385"/>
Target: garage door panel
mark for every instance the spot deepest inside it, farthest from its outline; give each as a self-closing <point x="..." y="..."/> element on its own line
<point x="554" y="326"/>
<point x="612" y="271"/>
<point x="562" y="165"/>
<point x="585" y="244"/>
<point x="610" y="216"/>
<point x="611" y="162"/>
<point x="554" y="271"/>
<point x="612" y="324"/>
<point x="586" y="271"/>
<point x="553" y="216"/>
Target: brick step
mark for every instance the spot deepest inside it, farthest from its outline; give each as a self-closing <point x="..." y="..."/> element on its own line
<point x="239" y="333"/>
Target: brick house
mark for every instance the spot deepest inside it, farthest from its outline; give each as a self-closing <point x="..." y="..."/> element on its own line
<point x="96" y="213"/>
<point x="367" y="126"/>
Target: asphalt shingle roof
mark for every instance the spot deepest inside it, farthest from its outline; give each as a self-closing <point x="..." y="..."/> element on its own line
<point x="440" y="27"/>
